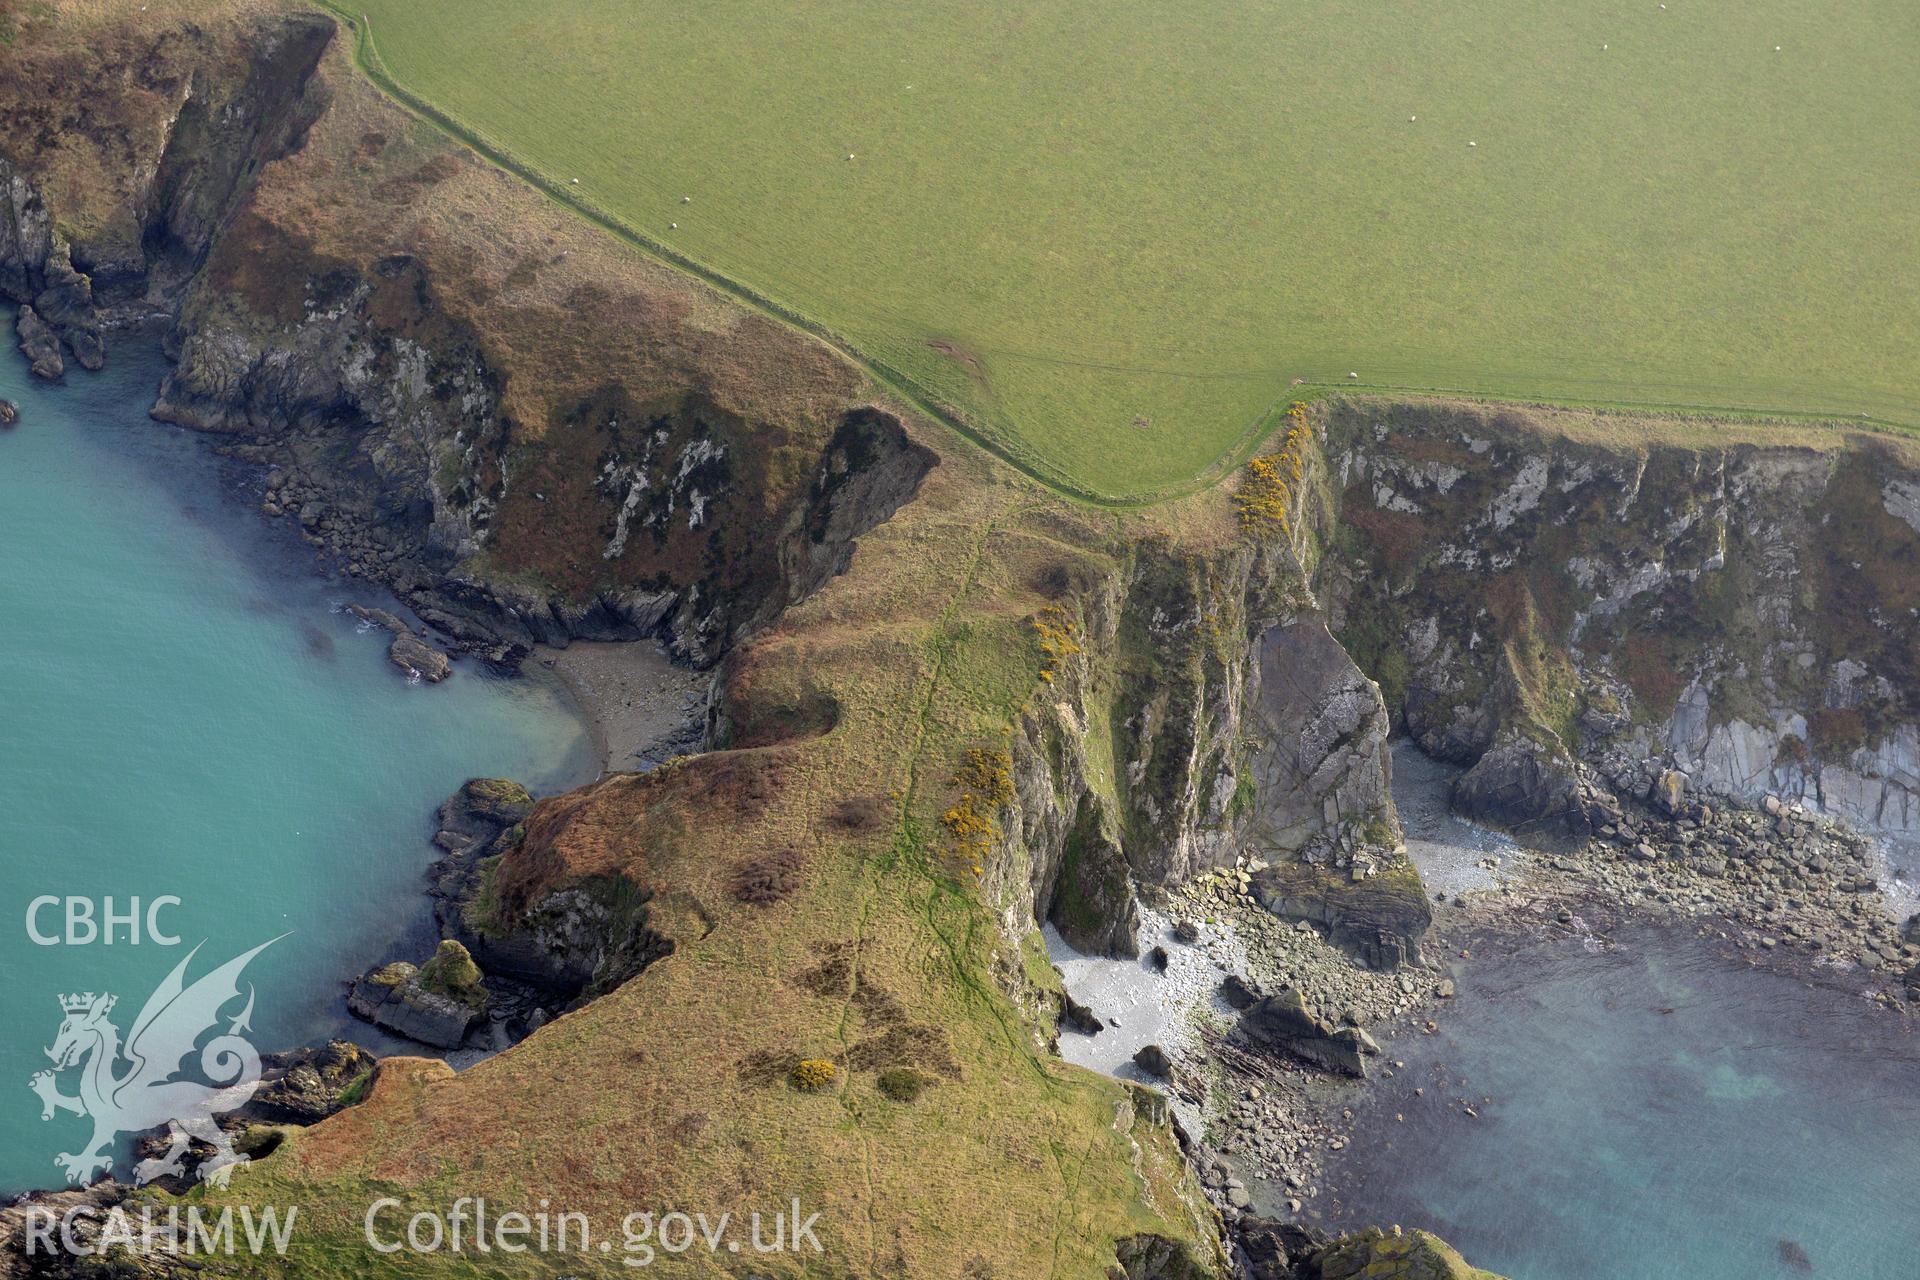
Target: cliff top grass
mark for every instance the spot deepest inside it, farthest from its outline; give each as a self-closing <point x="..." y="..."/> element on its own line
<point x="1108" y="238"/>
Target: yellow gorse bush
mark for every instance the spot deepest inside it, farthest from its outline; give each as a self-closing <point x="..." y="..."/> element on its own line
<point x="986" y="781"/>
<point x="812" y="1074"/>
<point x="1266" y="492"/>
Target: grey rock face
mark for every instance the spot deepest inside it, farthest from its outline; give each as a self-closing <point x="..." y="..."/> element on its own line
<point x="1742" y="614"/>
<point x="1321" y="767"/>
<point x="1282" y="1021"/>
<point x="393" y="997"/>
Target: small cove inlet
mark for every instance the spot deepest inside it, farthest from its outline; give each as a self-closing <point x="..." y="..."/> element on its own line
<point x="186" y="712"/>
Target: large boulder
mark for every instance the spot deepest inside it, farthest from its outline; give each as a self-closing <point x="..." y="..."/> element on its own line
<point x="1283" y="1022"/>
<point x="1530" y="787"/>
<point x="414" y="656"/>
<point x="1381" y="919"/>
<point x="9" y="413"/>
<point x="1153" y="1060"/>
<point x="1668" y="795"/>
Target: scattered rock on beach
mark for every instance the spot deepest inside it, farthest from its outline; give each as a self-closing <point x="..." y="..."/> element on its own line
<point x="1153" y="1060"/>
<point x="1282" y="1021"/>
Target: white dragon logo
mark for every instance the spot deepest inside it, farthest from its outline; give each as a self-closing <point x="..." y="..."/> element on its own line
<point x="146" y="1095"/>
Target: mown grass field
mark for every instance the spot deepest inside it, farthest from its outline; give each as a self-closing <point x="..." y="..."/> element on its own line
<point x="1110" y="236"/>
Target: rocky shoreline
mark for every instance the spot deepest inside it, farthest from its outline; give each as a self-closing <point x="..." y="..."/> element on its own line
<point x="1774" y="886"/>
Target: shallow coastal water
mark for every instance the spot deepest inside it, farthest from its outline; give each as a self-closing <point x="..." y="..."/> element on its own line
<point x="1657" y="1110"/>
<point x="185" y="711"/>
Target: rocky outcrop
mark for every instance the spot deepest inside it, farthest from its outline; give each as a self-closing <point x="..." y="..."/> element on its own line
<point x="1381" y="917"/>
<point x="1375" y="1254"/>
<point x="1282" y="1022"/>
<point x="305" y="1086"/>
<point x="699" y="503"/>
<point x="437" y="1003"/>
<point x="1242" y="735"/>
<point x="1534" y="788"/>
<point x="39" y="345"/>
<point x="9" y="413"/>
<point x="564" y="936"/>
<point x="416" y="659"/>
<point x="221" y="114"/>
<point x="218" y="146"/>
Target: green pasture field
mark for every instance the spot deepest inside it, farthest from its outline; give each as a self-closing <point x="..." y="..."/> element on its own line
<point x="1110" y="236"/>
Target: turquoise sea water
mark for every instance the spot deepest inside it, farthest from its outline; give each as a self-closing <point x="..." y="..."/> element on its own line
<point x="184" y="711"/>
<point x="1657" y="1113"/>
